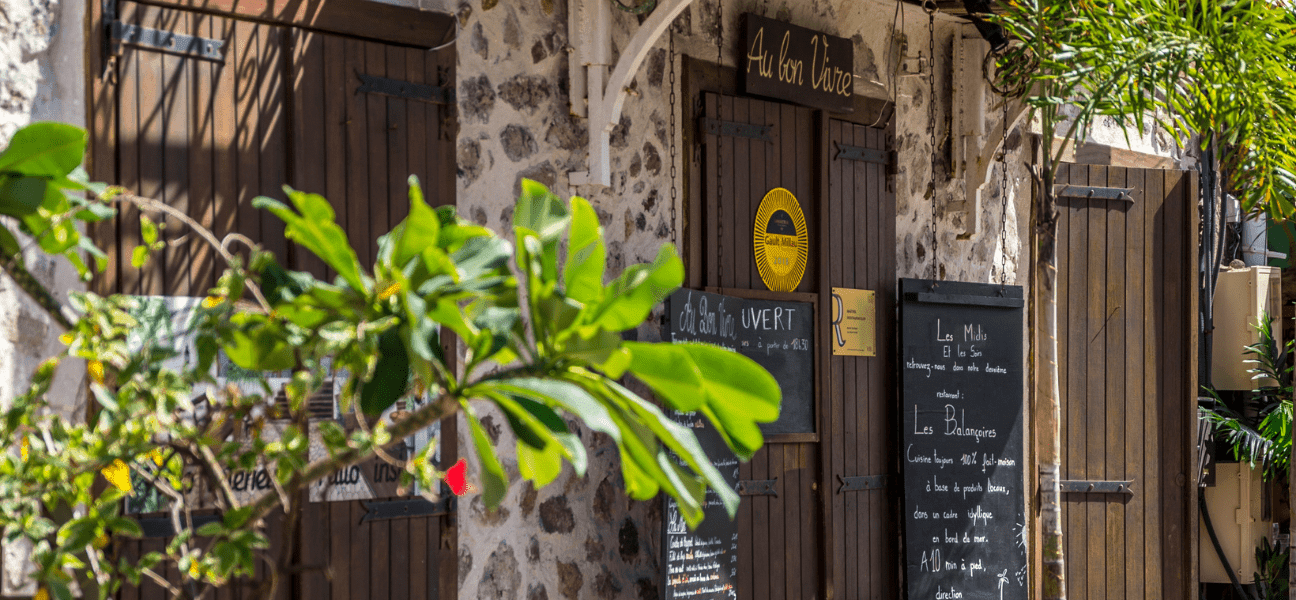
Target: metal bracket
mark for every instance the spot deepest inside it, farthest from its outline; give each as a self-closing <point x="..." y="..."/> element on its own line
<point x="373" y="84"/>
<point x="862" y="154"/>
<point x="1079" y="486"/>
<point x="936" y="298"/>
<point x="730" y="128"/>
<point x="161" y="527"/>
<point x="757" y="487"/>
<point x="1097" y="193"/>
<point x="405" y="509"/>
<point x="861" y="483"/>
<point x="166" y="41"/>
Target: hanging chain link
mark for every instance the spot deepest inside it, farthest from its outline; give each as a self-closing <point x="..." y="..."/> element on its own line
<point x="1003" y="194"/>
<point x="930" y="7"/>
<point x="674" y="171"/>
<point x="718" y="150"/>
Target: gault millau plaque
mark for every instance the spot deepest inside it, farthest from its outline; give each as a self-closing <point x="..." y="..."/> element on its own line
<point x="961" y="401"/>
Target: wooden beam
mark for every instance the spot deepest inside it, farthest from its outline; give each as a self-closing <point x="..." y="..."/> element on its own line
<point x="358" y="18"/>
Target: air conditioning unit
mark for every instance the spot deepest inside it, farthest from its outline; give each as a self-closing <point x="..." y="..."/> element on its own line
<point x="1237" y="511"/>
<point x="1242" y="296"/>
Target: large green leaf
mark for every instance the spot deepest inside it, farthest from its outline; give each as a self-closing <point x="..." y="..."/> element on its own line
<point x="419" y="230"/>
<point x="44" y="149"/>
<point x="494" y="483"/>
<point x="670" y="372"/>
<point x="258" y="344"/>
<point x="586" y="256"/>
<point x="540" y="211"/>
<point x="631" y="297"/>
<point x="21" y="196"/>
<point x="316" y="230"/>
<point x="391" y="375"/>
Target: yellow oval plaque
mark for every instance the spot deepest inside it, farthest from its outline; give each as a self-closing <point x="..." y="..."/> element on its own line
<point x="780" y="240"/>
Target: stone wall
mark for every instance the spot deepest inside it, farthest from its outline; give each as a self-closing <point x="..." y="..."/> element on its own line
<point x="42" y="77"/>
<point x="582" y="537"/>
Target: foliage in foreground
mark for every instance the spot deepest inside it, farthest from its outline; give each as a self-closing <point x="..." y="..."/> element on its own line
<point x="543" y="343"/>
<point x="1215" y="68"/>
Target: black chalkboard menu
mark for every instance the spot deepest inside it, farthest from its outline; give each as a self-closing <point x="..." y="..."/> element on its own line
<point x="961" y="401"/>
<point x="703" y="564"/>
<point x="777" y="335"/>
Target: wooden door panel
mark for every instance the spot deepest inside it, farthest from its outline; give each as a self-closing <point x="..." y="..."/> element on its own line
<point x="1126" y="301"/>
<point x="207" y="137"/>
<point x="861" y="233"/>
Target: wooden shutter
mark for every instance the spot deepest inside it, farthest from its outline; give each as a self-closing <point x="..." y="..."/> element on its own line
<point x="284" y="106"/>
<point x="1126" y="320"/>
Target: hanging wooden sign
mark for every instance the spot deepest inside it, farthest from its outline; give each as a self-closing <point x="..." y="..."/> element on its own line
<point x="780" y="241"/>
<point x="796" y="64"/>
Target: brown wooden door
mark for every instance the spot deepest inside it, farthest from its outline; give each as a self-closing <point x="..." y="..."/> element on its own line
<point x="812" y="540"/>
<point x="207" y="137"/>
<point x="860" y="231"/>
<point x="1126" y="322"/>
<point x="780" y="537"/>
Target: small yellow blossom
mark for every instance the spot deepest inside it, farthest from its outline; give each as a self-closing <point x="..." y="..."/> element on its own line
<point x="118" y="474"/>
<point x="24" y="449"/>
<point x="194" y="571"/>
<point x="390" y="291"/>
<point x="96" y="369"/>
<point x="156" y="455"/>
<point x="67" y="338"/>
<point x="212" y="301"/>
<point x="41" y="594"/>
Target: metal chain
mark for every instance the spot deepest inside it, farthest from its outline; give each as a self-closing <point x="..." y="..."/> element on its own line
<point x="930" y="7"/>
<point x="1003" y="194"/>
<point x="674" y="173"/>
<point x="718" y="150"/>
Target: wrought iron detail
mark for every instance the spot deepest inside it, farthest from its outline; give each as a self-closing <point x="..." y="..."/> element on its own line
<point x="407" y="509"/>
<point x="1097" y="193"/>
<point x="373" y="84"/>
<point x="757" y="487"/>
<point x="166" y="41"/>
<point x="733" y="129"/>
<point x="1080" y="486"/>
<point x="861" y="483"/>
<point x="862" y="154"/>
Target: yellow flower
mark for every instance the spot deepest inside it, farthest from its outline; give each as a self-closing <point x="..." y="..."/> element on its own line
<point x="67" y="338"/>
<point x="194" y="571"/>
<point x="212" y="301"/>
<point x="96" y="369"/>
<point x="156" y="455"/>
<point x="41" y="594"/>
<point x="24" y="449"/>
<point x="389" y="291"/>
<point x="118" y="474"/>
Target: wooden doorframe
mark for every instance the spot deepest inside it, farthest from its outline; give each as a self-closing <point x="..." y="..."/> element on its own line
<point x="699" y="77"/>
<point x="1037" y="387"/>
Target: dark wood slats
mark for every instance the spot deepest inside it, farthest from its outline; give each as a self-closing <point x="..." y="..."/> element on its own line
<point x="208" y="138"/>
<point x="1126" y="305"/>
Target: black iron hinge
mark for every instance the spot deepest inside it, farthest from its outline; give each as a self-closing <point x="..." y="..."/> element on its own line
<point x="757" y="487"/>
<point x="160" y="526"/>
<point x="373" y="84"/>
<point x="162" y="41"/>
<point x="861" y="483"/>
<point x="860" y="153"/>
<point x="1062" y="190"/>
<point x="407" y="509"/>
<point x="734" y="129"/>
<point x="1077" y="486"/>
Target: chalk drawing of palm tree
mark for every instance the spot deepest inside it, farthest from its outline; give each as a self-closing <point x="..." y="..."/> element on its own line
<point x="1003" y="578"/>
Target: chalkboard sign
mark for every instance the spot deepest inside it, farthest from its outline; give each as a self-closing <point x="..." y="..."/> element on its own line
<point x="961" y="401"/>
<point x="702" y="564"/>
<point x="777" y="335"/>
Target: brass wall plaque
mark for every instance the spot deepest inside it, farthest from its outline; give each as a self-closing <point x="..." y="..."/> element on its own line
<point x="854" y="316"/>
